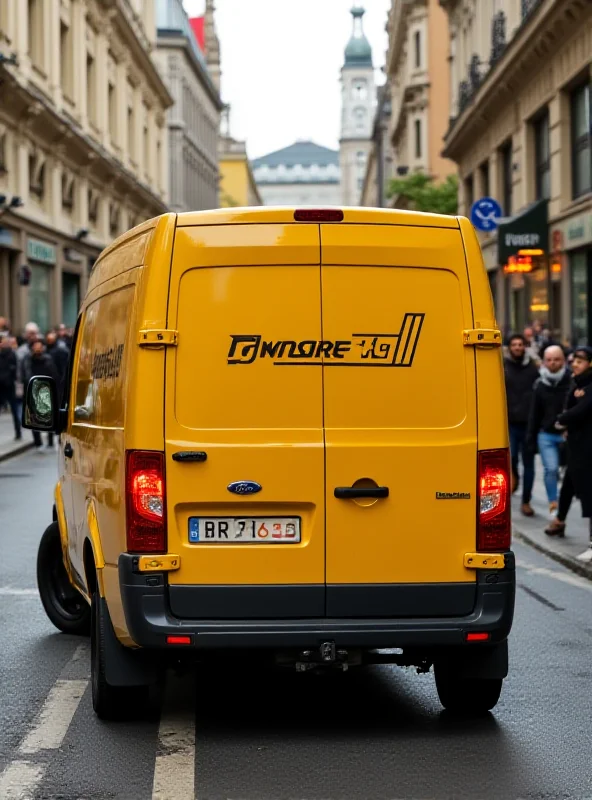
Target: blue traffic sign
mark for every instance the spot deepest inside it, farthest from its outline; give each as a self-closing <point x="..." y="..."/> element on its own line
<point x="485" y="214"/>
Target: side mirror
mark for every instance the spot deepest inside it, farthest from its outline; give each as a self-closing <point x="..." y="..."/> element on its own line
<point x="41" y="407"/>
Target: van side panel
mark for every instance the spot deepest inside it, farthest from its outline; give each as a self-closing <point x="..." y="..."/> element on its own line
<point x="491" y="394"/>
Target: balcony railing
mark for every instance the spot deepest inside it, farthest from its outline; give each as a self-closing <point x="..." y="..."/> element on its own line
<point x="528" y="6"/>
<point x="498" y="37"/>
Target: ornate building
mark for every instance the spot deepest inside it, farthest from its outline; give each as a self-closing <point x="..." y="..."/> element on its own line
<point x="83" y="144"/>
<point x="194" y="119"/>
<point x="304" y="173"/>
<point x="358" y="100"/>
<point x="417" y="69"/>
<point x="521" y="133"/>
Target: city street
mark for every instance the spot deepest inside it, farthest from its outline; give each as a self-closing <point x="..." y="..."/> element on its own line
<point x="377" y="733"/>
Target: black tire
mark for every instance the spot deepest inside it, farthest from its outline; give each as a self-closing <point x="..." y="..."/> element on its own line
<point x="467" y="696"/>
<point x="63" y="603"/>
<point x="110" y="702"/>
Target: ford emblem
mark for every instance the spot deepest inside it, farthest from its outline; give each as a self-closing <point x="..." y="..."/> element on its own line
<point x="244" y="487"/>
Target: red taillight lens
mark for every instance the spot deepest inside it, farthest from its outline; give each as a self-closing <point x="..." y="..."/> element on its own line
<point x="477" y="637"/>
<point x="494" y="530"/>
<point x="318" y="215"/>
<point x="178" y="639"/>
<point x="146" y="510"/>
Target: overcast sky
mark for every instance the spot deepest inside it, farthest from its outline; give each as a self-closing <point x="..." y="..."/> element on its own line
<point x="280" y="66"/>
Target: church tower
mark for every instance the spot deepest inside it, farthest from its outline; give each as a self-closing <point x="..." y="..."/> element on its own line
<point x="358" y="101"/>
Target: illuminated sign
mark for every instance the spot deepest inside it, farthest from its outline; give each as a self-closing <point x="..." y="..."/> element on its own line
<point x="518" y="264"/>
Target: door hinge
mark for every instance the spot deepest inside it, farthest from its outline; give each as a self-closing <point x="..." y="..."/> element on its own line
<point x="159" y="563"/>
<point x="484" y="561"/>
<point x="482" y="337"/>
<point x="158" y="338"/>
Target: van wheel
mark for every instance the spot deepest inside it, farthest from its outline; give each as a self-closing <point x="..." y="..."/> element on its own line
<point x="467" y="695"/>
<point x="109" y="702"/>
<point x="63" y="603"/>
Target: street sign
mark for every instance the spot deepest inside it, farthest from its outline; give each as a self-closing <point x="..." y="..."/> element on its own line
<point x="486" y="214"/>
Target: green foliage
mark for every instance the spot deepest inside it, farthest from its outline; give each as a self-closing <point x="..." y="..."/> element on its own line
<point x="424" y="194"/>
<point x="228" y="201"/>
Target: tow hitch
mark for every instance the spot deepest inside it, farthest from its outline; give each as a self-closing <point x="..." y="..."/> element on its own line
<point x="326" y="656"/>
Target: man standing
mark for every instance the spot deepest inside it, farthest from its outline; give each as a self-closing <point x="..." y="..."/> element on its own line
<point x="548" y="401"/>
<point x="60" y="355"/>
<point x="8" y="383"/>
<point x="577" y="420"/>
<point x="38" y="362"/>
<point x="521" y="373"/>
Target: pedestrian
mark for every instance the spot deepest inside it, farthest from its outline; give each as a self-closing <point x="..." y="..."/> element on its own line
<point x="60" y="355"/>
<point x="548" y="401"/>
<point x="32" y="333"/>
<point x="521" y="372"/>
<point x="64" y="335"/>
<point x="531" y="345"/>
<point x="38" y="362"/>
<point x="577" y="421"/>
<point x="8" y="367"/>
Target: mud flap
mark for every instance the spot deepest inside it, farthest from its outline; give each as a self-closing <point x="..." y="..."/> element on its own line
<point x="124" y="666"/>
<point x="481" y="663"/>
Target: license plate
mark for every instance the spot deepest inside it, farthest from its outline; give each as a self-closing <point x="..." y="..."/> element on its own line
<point x="244" y="530"/>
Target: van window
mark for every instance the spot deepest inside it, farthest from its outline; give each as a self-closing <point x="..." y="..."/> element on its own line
<point x="99" y="399"/>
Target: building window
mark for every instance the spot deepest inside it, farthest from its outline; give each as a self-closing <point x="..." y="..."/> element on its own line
<point x="542" y="155"/>
<point x="469" y="192"/>
<point x="484" y="177"/>
<point x="417" y="49"/>
<point x="91" y="88"/>
<point x="112" y="112"/>
<point x="35" y="32"/>
<point x="360" y="90"/>
<point x="581" y="128"/>
<point x="146" y="149"/>
<point x="66" y="76"/>
<point x="37" y="176"/>
<point x="93" y="206"/>
<point x="67" y="192"/>
<point x="505" y="161"/>
<point x="3" y="162"/>
<point x="418" y="148"/>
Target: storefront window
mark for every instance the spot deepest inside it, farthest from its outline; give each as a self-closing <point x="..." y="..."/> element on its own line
<point x="39" y="296"/>
<point x="538" y="294"/>
<point x="579" y="297"/>
<point x="70" y="299"/>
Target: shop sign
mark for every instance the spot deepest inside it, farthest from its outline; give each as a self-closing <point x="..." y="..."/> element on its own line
<point x="575" y="232"/>
<point x="527" y="230"/>
<point x="41" y="251"/>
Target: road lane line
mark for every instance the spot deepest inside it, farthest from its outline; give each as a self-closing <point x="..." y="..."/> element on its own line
<point x="8" y="591"/>
<point x="174" y="770"/>
<point x="565" y="577"/>
<point x="19" y="780"/>
<point x="55" y="717"/>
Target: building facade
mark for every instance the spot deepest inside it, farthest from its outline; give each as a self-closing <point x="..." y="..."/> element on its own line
<point x="358" y="102"/>
<point x="304" y="173"/>
<point x="521" y="133"/>
<point x="418" y="74"/>
<point x="83" y="144"/>
<point x="194" y="119"/>
<point x="380" y="166"/>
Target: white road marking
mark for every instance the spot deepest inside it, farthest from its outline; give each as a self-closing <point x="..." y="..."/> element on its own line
<point x="10" y="592"/>
<point x="174" y="770"/>
<point x="19" y="780"/>
<point x="55" y="717"/>
<point x="558" y="575"/>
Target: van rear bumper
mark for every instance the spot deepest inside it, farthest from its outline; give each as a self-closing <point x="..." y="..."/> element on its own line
<point x="150" y="620"/>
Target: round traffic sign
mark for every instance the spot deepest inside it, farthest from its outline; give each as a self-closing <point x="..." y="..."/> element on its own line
<point x="485" y="214"/>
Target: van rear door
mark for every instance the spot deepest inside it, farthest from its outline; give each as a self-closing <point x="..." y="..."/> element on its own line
<point x="243" y="298"/>
<point x="400" y="415"/>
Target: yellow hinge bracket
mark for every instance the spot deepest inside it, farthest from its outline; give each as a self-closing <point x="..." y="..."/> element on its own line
<point x="166" y="563"/>
<point x="482" y="337"/>
<point x="484" y="561"/>
<point x="157" y="338"/>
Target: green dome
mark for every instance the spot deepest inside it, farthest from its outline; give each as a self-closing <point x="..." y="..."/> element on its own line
<point x="358" y="52"/>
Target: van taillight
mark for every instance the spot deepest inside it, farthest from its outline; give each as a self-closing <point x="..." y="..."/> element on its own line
<point x="494" y="530"/>
<point x="146" y="507"/>
<point x="318" y="215"/>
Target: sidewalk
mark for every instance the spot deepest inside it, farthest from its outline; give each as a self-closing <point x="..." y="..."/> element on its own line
<point x="8" y="447"/>
<point x="531" y="530"/>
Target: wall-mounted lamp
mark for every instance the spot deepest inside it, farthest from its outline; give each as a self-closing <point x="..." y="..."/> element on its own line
<point x="81" y="234"/>
<point x="11" y="59"/>
<point x="6" y="205"/>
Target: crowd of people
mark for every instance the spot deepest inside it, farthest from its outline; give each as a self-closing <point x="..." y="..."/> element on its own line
<point x="22" y="357"/>
<point x="549" y="399"/>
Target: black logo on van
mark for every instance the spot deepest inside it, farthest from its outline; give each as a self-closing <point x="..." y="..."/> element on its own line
<point x="108" y="363"/>
<point x="361" y="350"/>
<point x="453" y="495"/>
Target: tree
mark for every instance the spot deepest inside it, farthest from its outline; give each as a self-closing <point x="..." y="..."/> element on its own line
<point x="424" y="194"/>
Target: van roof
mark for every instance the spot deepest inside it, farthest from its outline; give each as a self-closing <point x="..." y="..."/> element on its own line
<point x="285" y="214"/>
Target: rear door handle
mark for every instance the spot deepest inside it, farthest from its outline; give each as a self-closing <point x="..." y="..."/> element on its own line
<point x="353" y="492"/>
<point x="190" y="455"/>
<point x="68" y="451"/>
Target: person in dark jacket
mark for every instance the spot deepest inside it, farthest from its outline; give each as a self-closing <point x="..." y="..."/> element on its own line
<point x="548" y="401"/>
<point x="577" y="420"/>
<point x="8" y="369"/>
<point x="60" y="355"/>
<point x="38" y="362"/>
<point x="521" y="373"/>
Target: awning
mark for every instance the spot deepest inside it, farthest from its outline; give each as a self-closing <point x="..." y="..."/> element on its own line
<point x="526" y="231"/>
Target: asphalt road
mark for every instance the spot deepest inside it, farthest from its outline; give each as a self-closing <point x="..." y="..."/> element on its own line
<point x="377" y="733"/>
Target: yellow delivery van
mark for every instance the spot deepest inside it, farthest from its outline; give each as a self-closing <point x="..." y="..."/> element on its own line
<point x="284" y="436"/>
